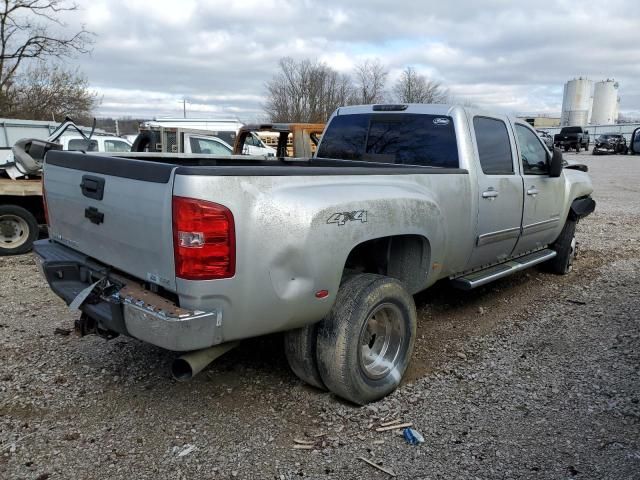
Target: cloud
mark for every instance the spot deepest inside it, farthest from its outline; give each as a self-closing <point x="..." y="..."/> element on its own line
<point x="509" y="56"/>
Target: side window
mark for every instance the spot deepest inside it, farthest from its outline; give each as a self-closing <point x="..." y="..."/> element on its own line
<point x="116" y="146"/>
<point x="532" y="153"/>
<point x="494" y="147"/>
<point x="82" y="144"/>
<point x="208" y="146"/>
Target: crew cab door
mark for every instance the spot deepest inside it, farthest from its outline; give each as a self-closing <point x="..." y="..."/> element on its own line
<point x="543" y="195"/>
<point x="499" y="191"/>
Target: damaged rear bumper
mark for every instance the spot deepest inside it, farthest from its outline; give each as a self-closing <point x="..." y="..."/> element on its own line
<point x="121" y="305"/>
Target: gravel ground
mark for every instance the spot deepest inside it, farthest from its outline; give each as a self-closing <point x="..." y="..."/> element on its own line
<point x="535" y="376"/>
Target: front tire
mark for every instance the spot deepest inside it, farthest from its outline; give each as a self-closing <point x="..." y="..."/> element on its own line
<point x="566" y="248"/>
<point x="365" y="343"/>
<point x="18" y="230"/>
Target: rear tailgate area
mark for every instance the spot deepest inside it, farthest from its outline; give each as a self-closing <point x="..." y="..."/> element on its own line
<point x="117" y="210"/>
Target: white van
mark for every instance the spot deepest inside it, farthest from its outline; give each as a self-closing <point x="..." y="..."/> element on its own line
<point x="224" y="129"/>
<point x="97" y="143"/>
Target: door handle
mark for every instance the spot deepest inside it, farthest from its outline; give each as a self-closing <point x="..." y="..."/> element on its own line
<point x="533" y="191"/>
<point x="491" y="193"/>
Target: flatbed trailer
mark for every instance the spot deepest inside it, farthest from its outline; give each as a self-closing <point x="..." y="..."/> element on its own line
<point x="21" y="214"/>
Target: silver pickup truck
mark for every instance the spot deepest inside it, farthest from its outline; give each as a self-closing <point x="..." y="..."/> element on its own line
<point x="193" y="253"/>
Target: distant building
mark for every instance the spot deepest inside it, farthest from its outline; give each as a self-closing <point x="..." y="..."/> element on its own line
<point x="576" y="102"/>
<point x="541" y="120"/>
<point x="605" y="103"/>
<point x="584" y="103"/>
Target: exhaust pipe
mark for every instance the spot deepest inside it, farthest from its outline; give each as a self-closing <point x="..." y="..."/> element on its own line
<point x="187" y="366"/>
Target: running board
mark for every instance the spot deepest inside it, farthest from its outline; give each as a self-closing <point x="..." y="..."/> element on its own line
<point x="482" y="277"/>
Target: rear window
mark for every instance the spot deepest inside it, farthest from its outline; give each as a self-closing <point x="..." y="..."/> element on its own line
<point x="408" y="139"/>
<point x="571" y="130"/>
<point x="494" y="146"/>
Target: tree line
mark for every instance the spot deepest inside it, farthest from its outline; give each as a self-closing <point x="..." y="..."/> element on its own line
<point x="34" y="83"/>
<point x="309" y="91"/>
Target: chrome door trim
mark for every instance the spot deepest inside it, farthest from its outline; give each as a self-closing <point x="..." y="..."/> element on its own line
<point x="541" y="226"/>
<point x="498" y="236"/>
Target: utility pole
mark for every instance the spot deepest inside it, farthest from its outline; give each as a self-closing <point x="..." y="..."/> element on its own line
<point x="184" y="107"/>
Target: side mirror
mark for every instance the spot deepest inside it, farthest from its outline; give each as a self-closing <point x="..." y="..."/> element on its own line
<point x="555" y="167"/>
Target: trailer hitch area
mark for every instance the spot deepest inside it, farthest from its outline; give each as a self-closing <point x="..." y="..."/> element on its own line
<point x="85" y="325"/>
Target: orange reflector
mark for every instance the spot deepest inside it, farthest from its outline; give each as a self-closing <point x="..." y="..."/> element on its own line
<point x="322" y="293"/>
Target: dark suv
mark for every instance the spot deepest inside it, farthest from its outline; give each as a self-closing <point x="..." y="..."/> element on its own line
<point x="610" y="143"/>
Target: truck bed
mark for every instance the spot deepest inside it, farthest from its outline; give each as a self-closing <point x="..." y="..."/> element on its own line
<point x="149" y="166"/>
<point x="20" y="188"/>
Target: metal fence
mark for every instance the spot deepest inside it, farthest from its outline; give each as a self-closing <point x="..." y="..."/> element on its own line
<point x="595" y="131"/>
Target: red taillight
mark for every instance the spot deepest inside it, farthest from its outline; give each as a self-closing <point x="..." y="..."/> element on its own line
<point x="204" y="242"/>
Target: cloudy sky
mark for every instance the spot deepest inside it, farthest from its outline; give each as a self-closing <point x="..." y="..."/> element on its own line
<point x="510" y="56"/>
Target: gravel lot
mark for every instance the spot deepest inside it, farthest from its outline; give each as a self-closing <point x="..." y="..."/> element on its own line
<point x="536" y="376"/>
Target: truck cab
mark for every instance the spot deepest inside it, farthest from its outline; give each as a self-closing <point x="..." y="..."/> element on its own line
<point x="97" y="143"/>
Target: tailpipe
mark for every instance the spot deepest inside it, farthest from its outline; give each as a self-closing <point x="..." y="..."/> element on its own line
<point x="187" y="366"/>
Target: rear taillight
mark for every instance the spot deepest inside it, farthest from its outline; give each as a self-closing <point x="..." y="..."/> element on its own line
<point x="204" y="241"/>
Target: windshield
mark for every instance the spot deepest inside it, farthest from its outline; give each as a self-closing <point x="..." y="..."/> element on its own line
<point x="400" y="138"/>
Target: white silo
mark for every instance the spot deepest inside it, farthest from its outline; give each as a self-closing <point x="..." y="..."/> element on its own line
<point x="605" y="103"/>
<point x="576" y="102"/>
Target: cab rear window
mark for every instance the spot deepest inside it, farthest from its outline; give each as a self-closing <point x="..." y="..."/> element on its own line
<point x="400" y="138"/>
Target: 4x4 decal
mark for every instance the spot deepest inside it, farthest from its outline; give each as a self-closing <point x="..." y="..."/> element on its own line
<point x="343" y="217"/>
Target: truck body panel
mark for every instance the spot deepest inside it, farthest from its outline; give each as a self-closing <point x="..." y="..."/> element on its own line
<point x="298" y="223"/>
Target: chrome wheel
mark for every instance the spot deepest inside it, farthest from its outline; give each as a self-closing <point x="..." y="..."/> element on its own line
<point x="14" y="231"/>
<point x="381" y="341"/>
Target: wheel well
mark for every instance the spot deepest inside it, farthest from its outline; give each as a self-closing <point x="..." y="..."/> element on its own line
<point x="32" y="203"/>
<point x="405" y="257"/>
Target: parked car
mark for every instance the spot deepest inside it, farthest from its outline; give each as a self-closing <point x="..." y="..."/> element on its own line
<point x="97" y="143"/>
<point x="195" y="254"/>
<point x="610" y="143"/>
<point x="572" y="137"/>
<point x="546" y="138"/>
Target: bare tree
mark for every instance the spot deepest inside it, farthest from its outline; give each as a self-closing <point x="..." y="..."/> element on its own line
<point x="370" y="80"/>
<point x="413" y="87"/>
<point x="27" y="33"/>
<point x="306" y="91"/>
<point x="49" y="92"/>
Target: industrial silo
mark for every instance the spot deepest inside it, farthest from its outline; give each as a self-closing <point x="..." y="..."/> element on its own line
<point x="576" y="102"/>
<point x="605" y="103"/>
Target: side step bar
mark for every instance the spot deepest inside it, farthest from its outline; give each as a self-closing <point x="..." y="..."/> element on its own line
<point x="482" y="277"/>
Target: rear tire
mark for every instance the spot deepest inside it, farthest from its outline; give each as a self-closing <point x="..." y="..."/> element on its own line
<point x="300" y="350"/>
<point x="567" y="249"/>
<point x="366" y="341"/>
<point x="18" y="230"/>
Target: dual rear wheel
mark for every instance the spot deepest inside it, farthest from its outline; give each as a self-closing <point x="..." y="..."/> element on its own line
<point x="361" y="350"/>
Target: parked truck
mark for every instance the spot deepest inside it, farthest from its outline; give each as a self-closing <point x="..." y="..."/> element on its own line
<point x="21" y="209"/>
<point x="179" y="140"/>
<point x="224" y="129"/>
<point x="194" y="255"/>
<point x="572" y="137"/>
<point x="293" y="140"/>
